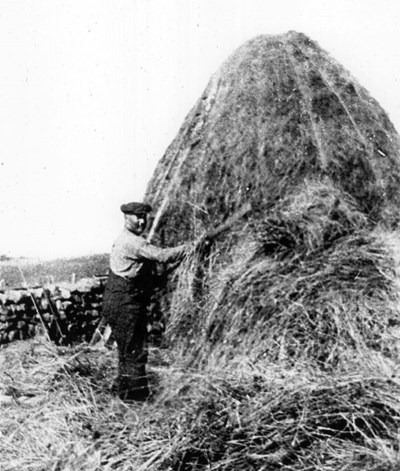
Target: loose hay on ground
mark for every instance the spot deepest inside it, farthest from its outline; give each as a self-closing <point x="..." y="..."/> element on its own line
<point x="232" y="416"/>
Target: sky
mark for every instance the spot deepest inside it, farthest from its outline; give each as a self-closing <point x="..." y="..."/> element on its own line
<point x="92" y="92"/>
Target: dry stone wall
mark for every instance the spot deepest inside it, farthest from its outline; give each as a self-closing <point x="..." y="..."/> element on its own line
<point x="69" y="314"/>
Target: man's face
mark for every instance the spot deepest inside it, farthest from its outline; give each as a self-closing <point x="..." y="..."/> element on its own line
<point x="136" y="223"/>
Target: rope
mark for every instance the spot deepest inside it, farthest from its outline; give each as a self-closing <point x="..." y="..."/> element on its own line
<point x="167" y="196"/>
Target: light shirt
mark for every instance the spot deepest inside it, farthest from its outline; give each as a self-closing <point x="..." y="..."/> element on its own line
<point x="130" y="253"/>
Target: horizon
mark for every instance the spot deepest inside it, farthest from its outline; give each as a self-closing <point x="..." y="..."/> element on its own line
<point x="4" y="258"/>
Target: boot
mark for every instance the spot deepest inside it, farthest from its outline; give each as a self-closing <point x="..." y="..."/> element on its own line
<point x="131" y="383"/>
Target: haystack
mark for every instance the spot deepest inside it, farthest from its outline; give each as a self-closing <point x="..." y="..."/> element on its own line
<point x="307" y="271"/>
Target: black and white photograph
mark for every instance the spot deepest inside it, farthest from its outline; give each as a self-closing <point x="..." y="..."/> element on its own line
<point x="199" y="235"/>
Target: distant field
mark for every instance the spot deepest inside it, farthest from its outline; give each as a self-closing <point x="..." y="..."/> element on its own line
<point x="39" y="272"/>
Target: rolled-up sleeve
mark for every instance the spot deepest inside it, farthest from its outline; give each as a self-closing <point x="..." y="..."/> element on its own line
<point x="148" y="251"/>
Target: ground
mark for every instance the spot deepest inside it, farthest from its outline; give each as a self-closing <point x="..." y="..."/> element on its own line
<point x="57" y="411"/>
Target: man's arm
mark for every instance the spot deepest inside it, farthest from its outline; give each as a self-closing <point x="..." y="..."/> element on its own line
<point x="151" y="252"/>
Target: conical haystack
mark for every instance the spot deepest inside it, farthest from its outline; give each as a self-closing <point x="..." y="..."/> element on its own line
<point x="307" y="271"/>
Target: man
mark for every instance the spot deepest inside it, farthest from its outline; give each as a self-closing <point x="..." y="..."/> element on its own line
<point x="127" y="295"/>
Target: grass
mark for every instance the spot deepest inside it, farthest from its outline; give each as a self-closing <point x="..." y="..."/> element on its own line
<point x="41" y="272"/>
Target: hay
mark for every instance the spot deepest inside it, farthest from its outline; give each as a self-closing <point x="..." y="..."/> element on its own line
<point x="314" y="282"/>
<point x="232" y="416"/>
<point x="284" y="127"/>
<point x="307" y="281"/>
<point x="48" y="399"/>
<point x="57" y="412"/>
<point x="279" y="110"/>
<point x="269" y="419"/>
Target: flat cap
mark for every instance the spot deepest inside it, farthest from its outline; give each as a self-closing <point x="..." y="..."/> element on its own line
<point x="135" y="208"/>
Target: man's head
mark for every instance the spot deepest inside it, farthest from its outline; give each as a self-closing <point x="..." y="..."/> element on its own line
<point x="135" y="215"/>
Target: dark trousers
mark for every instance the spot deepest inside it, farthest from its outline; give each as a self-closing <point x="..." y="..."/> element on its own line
<point x="125" y="309"/>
